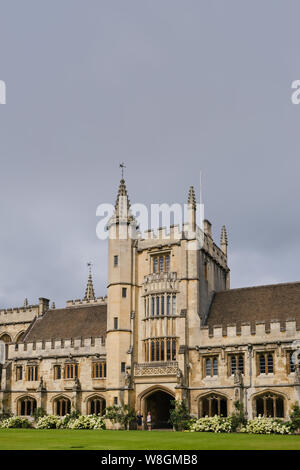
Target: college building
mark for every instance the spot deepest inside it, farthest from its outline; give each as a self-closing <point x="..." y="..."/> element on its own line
<point x="169" y="328"/>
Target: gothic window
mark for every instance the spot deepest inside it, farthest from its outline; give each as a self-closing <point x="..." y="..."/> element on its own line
<point x="32" y="373"/>
<point x="62" y="406"/>
<point x="210" y="366"/>
<point x="57" y="372"/>
<point x="152" y="306"/>
<point x="124" y="292"/>
<point x="167" y="263"/>
<point x="212" y="405"/>
<point x="99" y="370"/>
<point x="168" y="304"/>
<point x="265" y="363"/>
<point x="26" y="406"/>
<point x="155" y="264"/>
<point x="157" y="305"/>
<point x="174" y="305"/>
<point x="162" y="309"/>
<point x="160" y="349"/>
<point x="19" y="372"/>
<point x="160" y="305"/>
<point x="236" y="362"/>
<point x="169" y="350"/>
<point x="116" y="323"/>
<point x="269" y="405"/>
<point x="123" y="366"/>
<point x="71" y="371"/>
<point x="116" y="260"/>
<point x="96" y="405"/>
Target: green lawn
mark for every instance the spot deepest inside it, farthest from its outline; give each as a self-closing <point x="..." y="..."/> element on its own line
<point x="65" y="439"/>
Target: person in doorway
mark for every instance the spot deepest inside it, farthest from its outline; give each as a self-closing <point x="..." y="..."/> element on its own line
<point x="139" y="421"/>
<point x="149" y="421"/>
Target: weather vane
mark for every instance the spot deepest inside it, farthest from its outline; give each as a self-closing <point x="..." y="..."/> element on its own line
<point x="122" y="166"/>
<point x="89" y="265"/>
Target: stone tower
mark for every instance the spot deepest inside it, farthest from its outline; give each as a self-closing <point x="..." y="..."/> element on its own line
<point x="121" y="296"/>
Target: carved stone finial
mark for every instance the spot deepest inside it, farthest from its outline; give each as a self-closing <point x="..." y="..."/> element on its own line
<point x="89" y="292"/>
<point x="192" y="197"/>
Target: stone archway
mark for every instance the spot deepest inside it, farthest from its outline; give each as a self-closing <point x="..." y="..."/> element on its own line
<point x="158" y="402"/>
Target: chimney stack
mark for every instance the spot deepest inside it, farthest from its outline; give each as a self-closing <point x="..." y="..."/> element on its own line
<point x="43" y="306"/>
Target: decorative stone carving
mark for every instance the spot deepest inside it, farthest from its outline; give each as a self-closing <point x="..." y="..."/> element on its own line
<point x="179" y="376"/>
<point x="156" y="369"/>
<point x="128" y="379"/>
<point x="238" y="378"/>
<point x="41" y="387"/>
<point x="77" y="385"/>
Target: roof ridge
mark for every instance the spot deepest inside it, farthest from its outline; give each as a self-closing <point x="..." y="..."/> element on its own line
<point x="280" y="284"/>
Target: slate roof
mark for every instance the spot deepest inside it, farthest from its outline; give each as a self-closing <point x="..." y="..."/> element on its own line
<point x="256" y="304"/>
<point x="77" y="322"/>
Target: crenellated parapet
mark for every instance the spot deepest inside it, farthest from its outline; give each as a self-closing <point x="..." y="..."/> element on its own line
<point x="164" y="238"/>
<point x="18" y="314"/>
<point x="57" y="347"/>
<point x="84" y="302"/>
<point x="247" y="332"/>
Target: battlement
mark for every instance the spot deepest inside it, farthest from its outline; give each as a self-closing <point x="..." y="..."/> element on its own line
<point x="80" y="303"/>
<point x="18" y="314"/>
<point x="164" y="237"/>
<point x="248" y="332"/>
<point x="57" y="347"/>
<point x="162" y="233"/>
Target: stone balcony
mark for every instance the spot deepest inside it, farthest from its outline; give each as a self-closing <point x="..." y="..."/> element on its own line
<point x="155" y="369"/>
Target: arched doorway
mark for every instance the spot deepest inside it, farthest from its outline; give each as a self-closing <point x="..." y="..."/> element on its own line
<point x="159" y="404"/>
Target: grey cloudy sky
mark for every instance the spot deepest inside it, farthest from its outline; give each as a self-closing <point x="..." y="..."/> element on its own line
<point x="171" y="87"/>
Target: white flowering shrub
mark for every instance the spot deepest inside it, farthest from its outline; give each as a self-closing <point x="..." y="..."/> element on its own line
<point x="87" y="422"/>
<point x="49" y="422"/>
<point x="262" y="425"/>
<point x="70" y="422"/>
<point x="213" y="424"/>
<point x="15" y="422"/>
